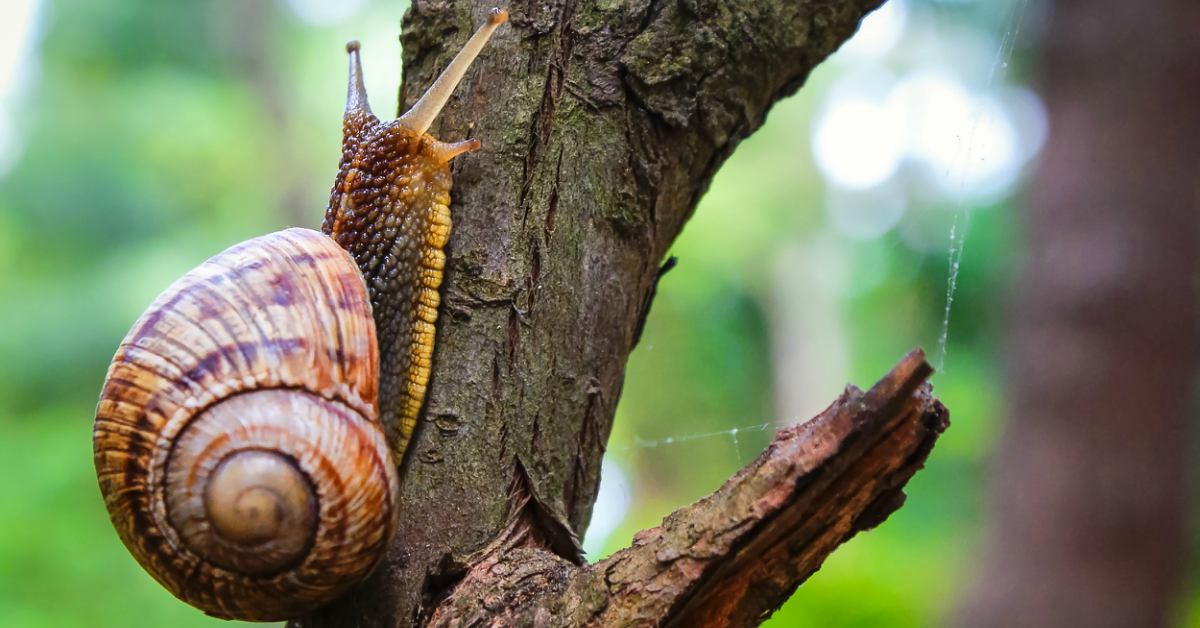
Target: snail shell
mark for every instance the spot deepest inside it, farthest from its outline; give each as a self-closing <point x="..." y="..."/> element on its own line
<point x="236" y="439"/>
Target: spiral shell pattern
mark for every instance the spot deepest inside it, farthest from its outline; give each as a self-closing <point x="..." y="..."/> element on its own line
<point x="236" y="440"/>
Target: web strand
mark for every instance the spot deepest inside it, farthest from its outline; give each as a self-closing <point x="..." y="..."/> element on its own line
<point x="731" y="433"/>
<point x="962" y="217"/>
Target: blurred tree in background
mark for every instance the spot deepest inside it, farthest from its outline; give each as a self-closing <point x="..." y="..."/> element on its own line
<point x="138" y="138"/>
<point x="1092" y="482"/>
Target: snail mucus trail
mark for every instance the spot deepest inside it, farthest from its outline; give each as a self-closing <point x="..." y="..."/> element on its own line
<point x="251" y="423"/>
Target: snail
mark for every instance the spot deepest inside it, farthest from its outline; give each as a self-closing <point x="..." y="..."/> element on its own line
<point x="251" y="423"/>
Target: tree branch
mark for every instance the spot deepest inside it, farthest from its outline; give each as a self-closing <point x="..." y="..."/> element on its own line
<point x="733" y="557"/>
<point x="602" y="125"/>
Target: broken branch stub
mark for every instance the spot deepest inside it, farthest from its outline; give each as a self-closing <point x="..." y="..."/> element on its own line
<point x="733" y="557"/>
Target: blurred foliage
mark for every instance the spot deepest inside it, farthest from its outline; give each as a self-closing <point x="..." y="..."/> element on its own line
<point x="157" y="133"/>
<point x="154" y="135"/>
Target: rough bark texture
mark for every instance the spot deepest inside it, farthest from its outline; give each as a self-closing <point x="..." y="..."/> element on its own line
<point x="1091" y="495"/>
<point x="733" y="557"/>
<point x="603" y="122"/>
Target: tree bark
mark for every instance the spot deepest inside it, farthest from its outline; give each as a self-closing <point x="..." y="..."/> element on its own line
<point x="602" y="123"/>
<point x="733" y="557"/>
<point x="1089" y="524"/>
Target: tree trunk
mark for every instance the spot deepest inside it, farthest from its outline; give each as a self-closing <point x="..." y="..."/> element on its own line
<point x="1091" y="508"/>
<point x="602" y="125"/>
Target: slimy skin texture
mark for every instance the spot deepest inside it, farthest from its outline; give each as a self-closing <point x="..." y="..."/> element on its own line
<point x="390" y="209"/>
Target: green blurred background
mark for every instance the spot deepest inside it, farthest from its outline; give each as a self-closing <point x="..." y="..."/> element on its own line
<point x="137" y="138"/>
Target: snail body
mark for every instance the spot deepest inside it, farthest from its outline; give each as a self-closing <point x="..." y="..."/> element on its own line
<point x="251" y="423"/>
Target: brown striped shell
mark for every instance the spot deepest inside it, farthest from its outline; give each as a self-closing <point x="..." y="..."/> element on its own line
<point x="236" y="439"/>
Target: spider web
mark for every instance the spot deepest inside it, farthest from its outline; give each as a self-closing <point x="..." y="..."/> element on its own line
<point x="962" y="213"/>
<point x="968" y="149"/>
